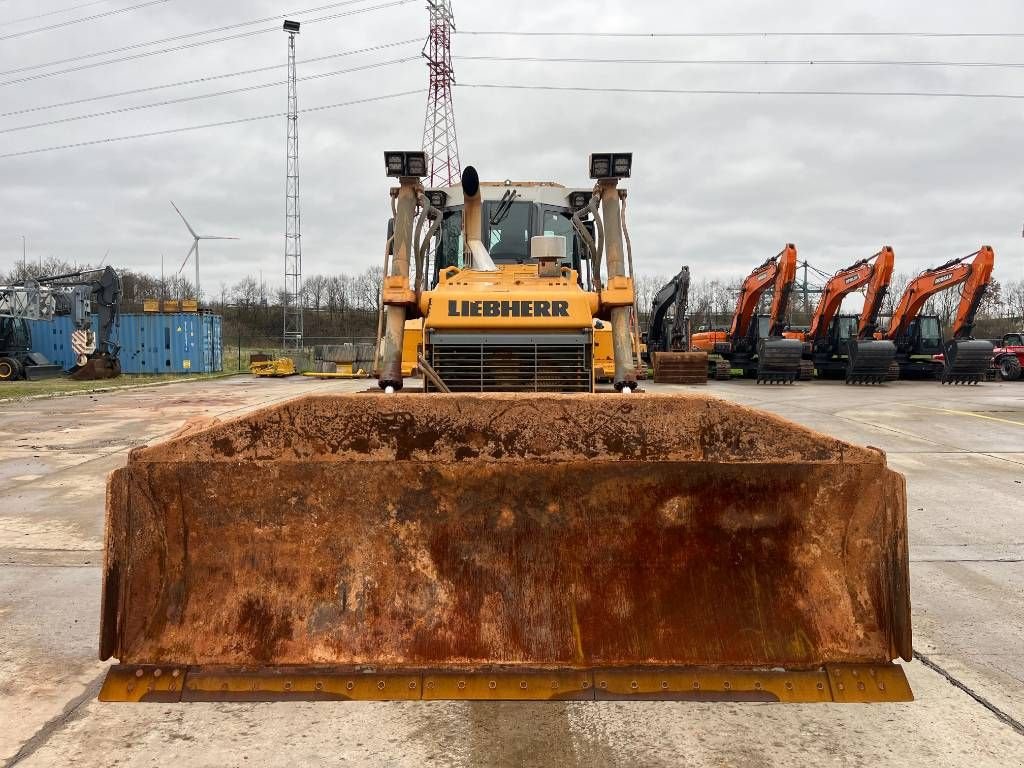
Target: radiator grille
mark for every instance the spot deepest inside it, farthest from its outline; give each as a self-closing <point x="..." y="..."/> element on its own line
<point x="513" y="363"/>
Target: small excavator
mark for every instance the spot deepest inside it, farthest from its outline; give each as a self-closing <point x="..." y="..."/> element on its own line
<point x="844" y="345"/>
<point x="755" y="343"/>
<point x="668" y="338"/>
<point x="920" y="347"/>
<point x="518" y="536"/>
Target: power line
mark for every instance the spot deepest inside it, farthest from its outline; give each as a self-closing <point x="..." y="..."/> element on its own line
<point x="508" y="33"/>
<point x="55" y="13"/>
<point x="793" y="62"/>
<point x="197" y="43"/>
<point x="739" y="92"/>
<point x="200" y="96"/>
<point x="238" y="121"/>
<point x="184" y="36"/>
<point x="208" y="78"/>
<point x="79" y="20"/>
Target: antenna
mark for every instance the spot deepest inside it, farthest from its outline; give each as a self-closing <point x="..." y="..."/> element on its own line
<point x="439" y="139"/>
<point x="195" y="248"/>
<point x="292" y="219"/>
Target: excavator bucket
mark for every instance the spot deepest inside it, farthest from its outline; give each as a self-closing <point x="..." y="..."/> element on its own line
<point x="505" y="546"/>
<point x="869" y="361"/>
<point x="778" y="360"/>
<point x="98" y="368"/>
<point x="966" y="361"/>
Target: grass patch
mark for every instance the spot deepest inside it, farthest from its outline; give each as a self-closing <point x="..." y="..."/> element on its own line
<point x="63" y="385"/>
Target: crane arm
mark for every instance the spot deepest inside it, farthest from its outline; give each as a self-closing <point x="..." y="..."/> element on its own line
<point x="942" y="278"/>
<point x="753" y="288"/>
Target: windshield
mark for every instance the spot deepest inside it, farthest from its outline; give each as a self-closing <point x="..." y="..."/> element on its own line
<point x="509" y="239"/>
<point x="847" y="327"/>
<point x="930" y="329"/>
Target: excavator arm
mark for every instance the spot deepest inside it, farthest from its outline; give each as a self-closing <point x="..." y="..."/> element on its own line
<point x="785" y="278"/>
<point x="942" y="278"/>
<point x="876" y="270"/>
<point x="779" y="272"/>
<point x="674" y="293"/>
<point x="878" y="287"/>
<point x="974" y="291"/>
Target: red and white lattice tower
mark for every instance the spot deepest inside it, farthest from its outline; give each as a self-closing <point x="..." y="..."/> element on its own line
<point x="439" y="140"/>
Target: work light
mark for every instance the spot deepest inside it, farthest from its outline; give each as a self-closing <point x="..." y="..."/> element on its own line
<point x="291" y="26"/>
<point x="608" y="165"/>
<point x="406" y="163"/>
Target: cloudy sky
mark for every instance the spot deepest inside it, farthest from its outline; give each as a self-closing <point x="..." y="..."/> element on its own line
<point x="720" y="181"/>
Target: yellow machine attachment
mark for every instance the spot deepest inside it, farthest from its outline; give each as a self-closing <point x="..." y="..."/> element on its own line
<point x="505" y="545"/>
<point x="282" y="366"/>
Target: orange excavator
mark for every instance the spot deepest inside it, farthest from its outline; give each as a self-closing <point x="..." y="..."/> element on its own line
<point x="918" y="338"/>
<point x="755" y="343"/>
<point x="844" y="345"/>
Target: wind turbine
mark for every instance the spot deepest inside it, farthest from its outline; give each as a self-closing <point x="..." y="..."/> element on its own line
<point x="195" y="247"/>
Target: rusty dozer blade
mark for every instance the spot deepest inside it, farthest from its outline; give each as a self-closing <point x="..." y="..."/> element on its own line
<point x="505" y="547"/>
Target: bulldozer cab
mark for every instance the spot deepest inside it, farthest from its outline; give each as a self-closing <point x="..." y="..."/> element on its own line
<point x="508" y="227"/>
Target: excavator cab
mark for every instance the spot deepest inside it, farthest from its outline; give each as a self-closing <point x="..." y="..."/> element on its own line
<point x="17" y="360"/>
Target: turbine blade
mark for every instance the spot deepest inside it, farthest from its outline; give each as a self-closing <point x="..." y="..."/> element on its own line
<point x="213" y="237"/>
<point x="185" y="220"/>
<point x="195" y="245"/>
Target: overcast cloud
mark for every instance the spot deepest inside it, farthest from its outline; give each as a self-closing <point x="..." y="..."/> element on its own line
<point x="720" y="182"/>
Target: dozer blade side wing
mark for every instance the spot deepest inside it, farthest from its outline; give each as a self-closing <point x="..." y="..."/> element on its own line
<point x="42" y="372"/>
<point x="505" y="546"/>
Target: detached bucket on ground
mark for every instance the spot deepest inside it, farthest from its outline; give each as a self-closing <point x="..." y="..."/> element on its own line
<point x="505" y="547"/>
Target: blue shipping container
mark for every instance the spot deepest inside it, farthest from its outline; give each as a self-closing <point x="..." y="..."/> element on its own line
<point x="184" y="342"/>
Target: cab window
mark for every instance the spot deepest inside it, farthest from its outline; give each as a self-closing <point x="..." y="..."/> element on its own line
<point x="508" y="235"/>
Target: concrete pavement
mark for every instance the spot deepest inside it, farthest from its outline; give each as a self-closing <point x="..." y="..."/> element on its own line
<point x="962" y="450"/>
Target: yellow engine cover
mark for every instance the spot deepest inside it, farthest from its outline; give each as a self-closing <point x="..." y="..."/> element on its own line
<point x="515" y="298"/>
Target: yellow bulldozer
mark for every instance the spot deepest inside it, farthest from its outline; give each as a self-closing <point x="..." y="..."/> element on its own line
<point x="509" y="533"/>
